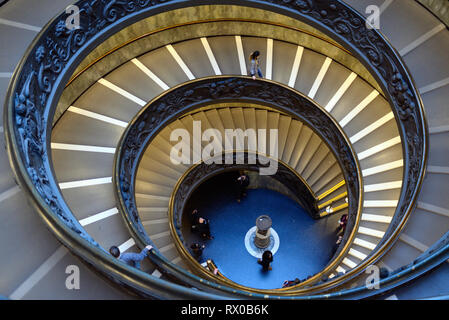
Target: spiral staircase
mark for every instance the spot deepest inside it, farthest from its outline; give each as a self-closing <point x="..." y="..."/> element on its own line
<point x="107" y="89"/>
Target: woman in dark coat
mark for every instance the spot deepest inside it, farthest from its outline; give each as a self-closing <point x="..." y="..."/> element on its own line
<point x="243" y="183"/>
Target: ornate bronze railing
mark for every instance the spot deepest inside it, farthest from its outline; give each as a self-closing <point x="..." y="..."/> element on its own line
<point x="53" y="56"/>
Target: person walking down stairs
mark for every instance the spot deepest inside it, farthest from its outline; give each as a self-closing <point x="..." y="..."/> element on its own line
<point x="131" y="258"/>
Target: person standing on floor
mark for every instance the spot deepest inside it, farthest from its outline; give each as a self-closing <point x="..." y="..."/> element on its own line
<point x="254" y="65"/>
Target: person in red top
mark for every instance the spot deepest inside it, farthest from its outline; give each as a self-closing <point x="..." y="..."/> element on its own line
<point x="130" y="258"/>
<point x="197" y="250"/>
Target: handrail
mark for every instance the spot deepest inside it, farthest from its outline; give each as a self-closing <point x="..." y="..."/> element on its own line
<point x="329" y="191"/>
<point x="336" y="198"/>
<point x="52" y="57"/>
<point x="334" y="210"/>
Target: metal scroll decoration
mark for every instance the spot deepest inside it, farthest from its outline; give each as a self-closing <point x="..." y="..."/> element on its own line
<point x="55" y="53"/>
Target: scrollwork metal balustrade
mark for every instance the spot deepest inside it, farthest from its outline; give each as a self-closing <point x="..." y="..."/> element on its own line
<point x="53" y="56"/>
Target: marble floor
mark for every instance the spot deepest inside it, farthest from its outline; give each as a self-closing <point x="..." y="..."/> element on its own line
<point x="305" y="244"/>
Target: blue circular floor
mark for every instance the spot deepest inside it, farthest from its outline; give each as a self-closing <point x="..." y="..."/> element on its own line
<point x="305" y="244"/>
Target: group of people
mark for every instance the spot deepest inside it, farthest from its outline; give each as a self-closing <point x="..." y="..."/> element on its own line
<point x="266" y="260"/>
<point x="201" y="226"/>
<point x="340" y="231"/>
<point x="135" y="259"/>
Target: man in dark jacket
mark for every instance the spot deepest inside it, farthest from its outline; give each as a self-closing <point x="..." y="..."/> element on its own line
<point x="204" y="229"/>
<point x="267" y="258"/>
<point x="243" y="183"/>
